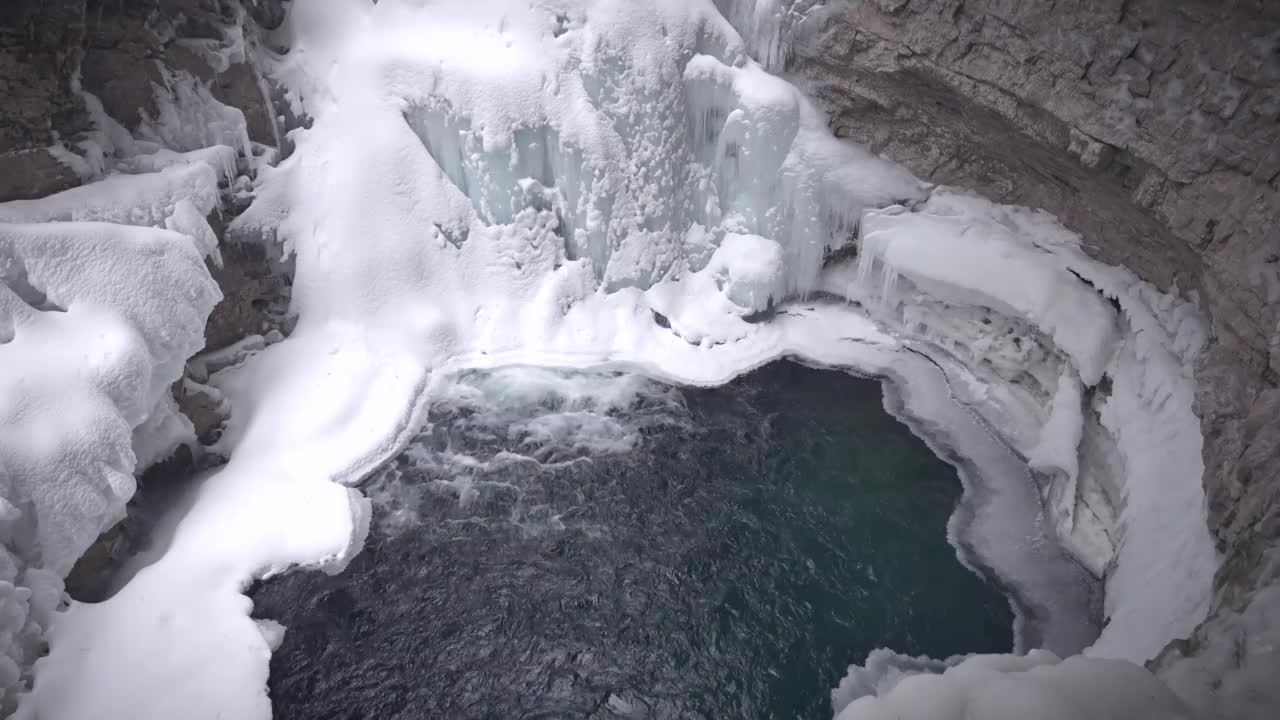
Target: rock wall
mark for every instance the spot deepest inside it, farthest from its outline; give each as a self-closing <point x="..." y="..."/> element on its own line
<point x="41" y="44"/>
<point x="126" y="53"/>
<point x="1152" y="127"/>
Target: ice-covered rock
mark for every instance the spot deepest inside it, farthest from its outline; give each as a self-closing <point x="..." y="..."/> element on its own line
<point x="149" y="197"/>
<point x="1135" y="358"/>
<point x="974" y="258"/>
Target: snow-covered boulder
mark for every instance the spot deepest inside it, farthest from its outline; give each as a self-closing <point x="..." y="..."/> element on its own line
<point x="96" y="322"/>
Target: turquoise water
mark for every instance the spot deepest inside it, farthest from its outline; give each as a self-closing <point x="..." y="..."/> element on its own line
<point x="563" y="545"/>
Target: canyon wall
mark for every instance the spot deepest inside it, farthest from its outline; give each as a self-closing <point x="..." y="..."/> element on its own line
<point x="130" y="55"/>
<point x="1151" y="127"/>
<point x="41" y="45"/>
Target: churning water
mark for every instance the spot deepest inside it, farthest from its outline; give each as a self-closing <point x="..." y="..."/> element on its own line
<point x="599" y="545"/>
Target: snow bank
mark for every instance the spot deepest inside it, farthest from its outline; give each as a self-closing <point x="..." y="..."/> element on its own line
<point x="1036" y="686"/>
<point x="960" y="251"/>
<point x="615" y="183"/>
<point x="983" y="262"/>
<point x="96" y="321"/>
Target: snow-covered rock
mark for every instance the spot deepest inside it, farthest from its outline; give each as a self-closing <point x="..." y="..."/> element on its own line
<point x="96" y="321"/>
<point x="957" y="251"/>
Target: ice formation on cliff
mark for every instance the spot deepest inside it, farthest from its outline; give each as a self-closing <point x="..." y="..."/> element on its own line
<point x="957" y="252"/>
<point x="579" y="184"/>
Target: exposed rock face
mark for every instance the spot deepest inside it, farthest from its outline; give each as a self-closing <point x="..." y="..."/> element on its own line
<point x="40" y="47"/>
<point x="252" y="297"/>
<point x="1151" y="127"/>
<point x="134" y="48"/>
<point x="125" y="53"/>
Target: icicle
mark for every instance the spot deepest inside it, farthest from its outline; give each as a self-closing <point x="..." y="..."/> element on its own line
<point x="888" y="285"/>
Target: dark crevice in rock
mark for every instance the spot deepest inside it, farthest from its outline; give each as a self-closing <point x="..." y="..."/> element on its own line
<point x="97" y="574"/>
<point x="1115" y="303"/>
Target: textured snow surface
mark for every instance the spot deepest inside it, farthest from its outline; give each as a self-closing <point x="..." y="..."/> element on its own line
<point x="96" y="321"/>
<point x="104" y="294"/>
<point x="1035" y="686"/>
<point x="579" y="183"/>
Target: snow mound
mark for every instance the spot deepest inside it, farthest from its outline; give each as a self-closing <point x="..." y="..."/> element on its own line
<point x="96" y="321"/>
<point x="749" y="268"/>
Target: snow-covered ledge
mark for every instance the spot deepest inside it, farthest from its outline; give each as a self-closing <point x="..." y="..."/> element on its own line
<point x="1008" y="294"/>
<point x="97" y="320"/>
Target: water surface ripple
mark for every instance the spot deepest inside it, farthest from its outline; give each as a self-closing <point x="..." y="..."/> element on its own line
<point x="588" y="545"/>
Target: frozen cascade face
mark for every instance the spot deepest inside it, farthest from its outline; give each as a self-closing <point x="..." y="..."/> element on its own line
<point x="633" y="195"/>
<point x="766" y="26"/>
<point x="617" y="183"/>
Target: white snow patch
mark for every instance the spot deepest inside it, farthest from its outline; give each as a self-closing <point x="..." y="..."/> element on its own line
<point x="1036" y="686"/>
<point x="96" y="321"/>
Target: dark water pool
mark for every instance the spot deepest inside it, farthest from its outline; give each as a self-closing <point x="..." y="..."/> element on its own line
<point x="563" y="545"/>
